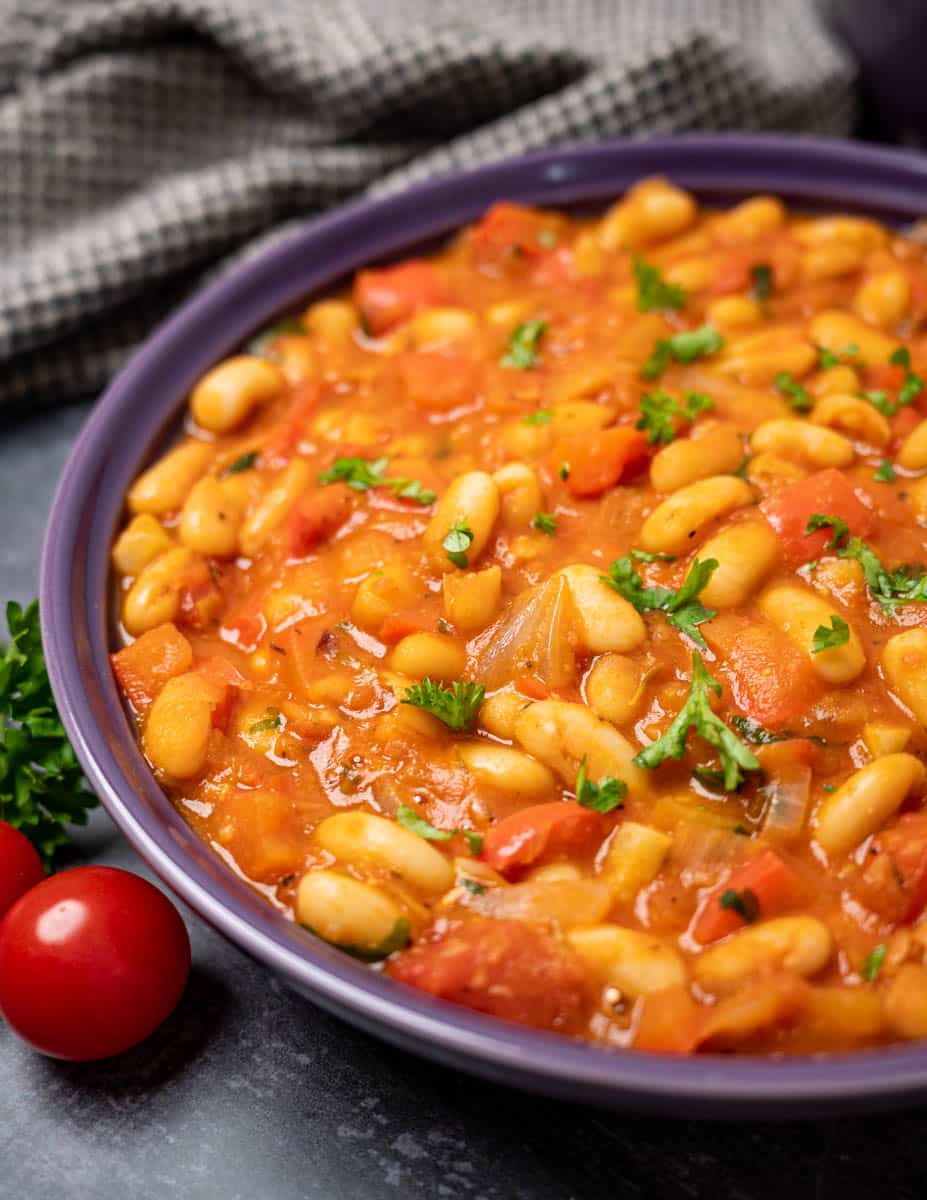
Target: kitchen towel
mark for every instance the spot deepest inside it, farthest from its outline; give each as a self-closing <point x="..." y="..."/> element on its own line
<point x="147" y="143"/>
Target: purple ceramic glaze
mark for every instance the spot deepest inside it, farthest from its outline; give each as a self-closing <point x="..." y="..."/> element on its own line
<point x="140" y="411"/>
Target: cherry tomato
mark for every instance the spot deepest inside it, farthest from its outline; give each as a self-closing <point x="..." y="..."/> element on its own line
<point x="91" y="962"/>
<point x="20" y="866"/>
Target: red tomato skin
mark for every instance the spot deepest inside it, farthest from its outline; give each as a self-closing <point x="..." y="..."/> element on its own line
<point x="20" y="866"/>
<point x="826" y="492"/>
<point x="505" y="968"/>
<point x="769" y="678"/>
<point x="92" y="960"/>
<point x="526" y="837"/>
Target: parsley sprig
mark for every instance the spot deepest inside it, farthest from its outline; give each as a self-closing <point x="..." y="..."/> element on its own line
<point x="524" y="345"/>
<point x="456" y="542"/>
<point x="362" y="474"/>
<point x="456" y="706"/>
<point x="682" y="609"/>
<point x="907" y="584"/>
<point x="411" y="820"/>
<point x="913" y="384"/>
<point x="659" y="410"/>
<point x="763" y="280"/>
<point x="545" y="523"/>
<point x="42" y="788"/>
<point x="835" y="358"/>
<point x="873" y="963"/>
<point x="603" y="797"/>
<point x="698" y="714"/>
<point x="828" y="639"/>
<point x="244" y="463"/>
<point x="682" y="348"/>
<point x="788" y="386"/>
<point x="652" y="289"/>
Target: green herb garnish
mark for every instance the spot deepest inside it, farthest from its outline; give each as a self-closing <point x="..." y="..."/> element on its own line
<point x="698" y="714"/>
<point x="42" y="787"/>
<point x="272" y="720"/>
<point x="880" y="402"/>
<point x="524" y="345"/>
<point x="681" y="608"/>
<point x="361" y="474"/>
<point x="456" y="543"/>
<point x="545" y="523"/>
<point x="829" y="639"/>
<point x="410" y="819"/>
<point x="473" y="887"/>
<point x="913" y="384"/>
<point x="603" y="797"/>
<point x="564" y="470"/>
<point x="745" y="903"/>
<point x="652" y="289"/>
<point x="835" y="358"/>
<point x="762" y="276"/>
<point x="547" y="238"/>
<point x="245" y="463"/>
<point x="682" y="348"/>
<point x="907" y="584"/>
<point x="873" y="964"/>
<point x="645" y="556"/>
<point x="839" y="528"/>
<point x="658" y="410"/>
<point x="885" y="472"/>
<point x="456" y="706"/>
<point x="789" y="387"/>
<point x="543" y="416"/>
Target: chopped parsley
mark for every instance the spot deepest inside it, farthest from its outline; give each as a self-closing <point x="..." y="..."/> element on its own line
<point x="652" y="289"/>
<point x="564" y="470"/>
<point x="457" y="541"/>
<point x="547" y="238"/>
<point x="753" y="731"/>
<point x="907" y="584"/>
<point x="361" y="474"/>
<point x="456" y="706"/>
<point x="472" y="886"/>
<point x="524" y="345"/>
<point x="682" y="609"/>
<point x="545" y="523"/>
<point x="245" y="463"/>
<point x="789" y="387"/>
<point x="880" y="402"/>
<point x="683" y="348"/>
<point x="272" y="719"/>
<point x="658" y="410"/>
<point x="543" y="416"/>
<point x="885" y="472"/>
<point x="763" y="279"/>
<point x="829" y="639"/>
<point x="409" y="819"/>
<point x="873" y="964"/>
<point x="646" y="557"/>
<point x="835" y="358"/>
<point x="698" y="714"/>
<point x="913" y="384"/>
<point x="608" y="794"/>
<point x="744" y="903"/>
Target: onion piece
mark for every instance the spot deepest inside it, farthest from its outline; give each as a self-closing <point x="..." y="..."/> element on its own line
<point x="535" y="635"/>
<point x="789" y="795"/>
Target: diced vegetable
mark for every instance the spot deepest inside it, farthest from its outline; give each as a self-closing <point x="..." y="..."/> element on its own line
<point x="387" y="297"/>
<point x="541" y="832"/>
<point x="766" y="879"/>
<point x="596" y="462"/>
<point x="789" y="511"/>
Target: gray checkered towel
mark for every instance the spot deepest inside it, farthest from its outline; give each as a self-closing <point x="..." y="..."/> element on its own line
<point x="144" y="141"/>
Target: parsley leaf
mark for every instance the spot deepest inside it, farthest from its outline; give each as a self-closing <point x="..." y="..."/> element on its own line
<point x="272" y="720"/>
<point x="659" y="408"/>
<point x="545" y="523"/>
<point x="762" y="276"/>
<point x="698" y="714"/>
<point x="907" y="584"/>
<point x="880" y="402"/>
<point x="564" y="470"/>
<point x="457" y="542"/>
<point x="361" y="474"/>
<point x="873" y="964"/>
<point x="840" y="529"/>
<point x="410" y="819"/>
<point x="608" y="794"/>
<point x="456" y="706"/>
<point x="684" y="348"/>
<point x="473" y="886"/>
<point x="245" y="463"/>
<point x="42" y="788"/>
<point x="524" y="345"/>
<point x="789" y="387"/>
<point x="680" y="608"/>
<point x="543" y="416"/>
<point x="745" y="903"/>
<point x="885" y="472"/>
<point x="913" y="384"/>
<point x="834" y="358"/>
<point x="646" y="557"/>
<point x="829" y="639"/>
<point x="652" y="289"/>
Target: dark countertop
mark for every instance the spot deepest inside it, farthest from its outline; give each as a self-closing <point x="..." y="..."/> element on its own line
<point x="249" y="1093"/>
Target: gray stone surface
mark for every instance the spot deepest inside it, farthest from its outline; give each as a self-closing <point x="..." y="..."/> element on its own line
<point x="248" y="1093"/>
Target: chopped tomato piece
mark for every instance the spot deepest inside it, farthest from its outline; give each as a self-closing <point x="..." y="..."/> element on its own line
<point x="284" y="439"/>
<point x="596" y="462"/>
<point x="245" y="628"/>
<point x="769" y="880"/>
<point x="538" y="832"/>
<point x="827" y="492"/>
<point x="769" y="677"/>
<point x="390" y="296"/>
<point x="893" y="880"/>
<point x="143" y="668"/>
<point x="904" y="422"/>
<point x="436" y="381"/>
<point x="505" y="968"/>
<point x="886" y="377"/>
<point x="669" y="1022"/>
<point x="532" y="687"/>
<point x="315" y="517"/>
<point x="398" y="626"/>
<point x="509" y="233"/>
<point x="226" y="680"/>
<point x="300" y="644"/>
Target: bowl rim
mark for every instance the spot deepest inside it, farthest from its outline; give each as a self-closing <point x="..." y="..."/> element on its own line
<point x="123" y="431"/>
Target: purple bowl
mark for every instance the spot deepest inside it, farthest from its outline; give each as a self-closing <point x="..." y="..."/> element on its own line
<point x="139" y="412"/>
